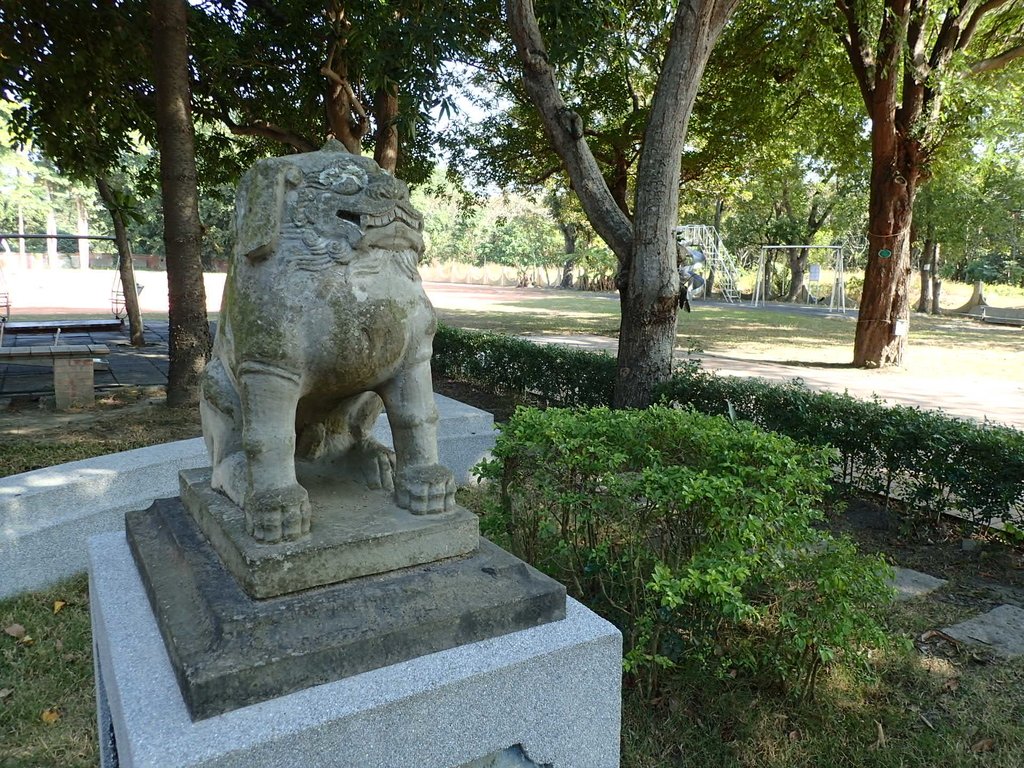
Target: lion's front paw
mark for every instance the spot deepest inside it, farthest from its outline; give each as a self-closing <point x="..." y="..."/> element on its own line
<point x="278" y="515"/>
<point x="425" y="490"/>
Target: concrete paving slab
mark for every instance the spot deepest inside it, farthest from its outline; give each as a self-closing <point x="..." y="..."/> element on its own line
<point x="910" y="584"/>
<point x="1001" y="631"/>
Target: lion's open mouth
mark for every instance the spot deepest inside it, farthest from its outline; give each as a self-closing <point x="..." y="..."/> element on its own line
<point x="394" y="229"/>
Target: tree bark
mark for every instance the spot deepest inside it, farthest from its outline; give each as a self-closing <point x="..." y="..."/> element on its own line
<point x="648" y="281"/>
<point x="189" y="338"/>
<point x="569" y="238"/>
<point x="797" y="268"/>
<point x="385" y="112"/>
<point x="884" y="316"/>
<point x="124" y="263"/>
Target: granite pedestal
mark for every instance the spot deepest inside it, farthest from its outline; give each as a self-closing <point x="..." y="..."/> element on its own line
<point x="548" y="695"/>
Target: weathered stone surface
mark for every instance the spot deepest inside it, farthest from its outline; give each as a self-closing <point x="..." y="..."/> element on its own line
<point x="324" y="321"/>
<point x="1001" y="630"/>
<point x="513" y="757"/>
<point x="229" y="650"/>
<point x="910" y="584"/>
<point x="355" y="532"/>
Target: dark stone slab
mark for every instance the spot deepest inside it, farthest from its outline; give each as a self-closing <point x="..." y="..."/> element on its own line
<point x="229" y="650"/>
<point x="354" y="532"/>
<point x="66" y="326"/>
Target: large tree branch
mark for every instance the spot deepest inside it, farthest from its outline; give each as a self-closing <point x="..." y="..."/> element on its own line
<point x="565" y="130"/>
<point x="859" y="53"/>
<point x="892" y="36"/>
<point x="264" y="129"/>
<point x="915" y="68"/>
<point x="997" y="62"/>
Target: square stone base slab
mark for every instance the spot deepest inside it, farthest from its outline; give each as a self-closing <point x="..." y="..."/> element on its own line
<point x="229" y="650"/>
<point x="354" y="532"/>
<point x="553" y="690"/>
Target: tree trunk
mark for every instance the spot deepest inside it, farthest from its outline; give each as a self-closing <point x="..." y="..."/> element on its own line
<point x="884" y="317"/>
<point x="51" y="242"/>
<point x="385" y="111"/>
<point x="924" y="301"/>
<point x="83" y="229"/>
<point x="797" y="268"/>
<point x="25" y="259"/>
<point x="647" y="279"/>
<point x="569" y="237"/>
<point x="189" y="339"/>
<point x="124" y="263"/>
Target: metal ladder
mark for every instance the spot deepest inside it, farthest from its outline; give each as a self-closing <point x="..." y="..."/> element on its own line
<point x="706" y="240"/>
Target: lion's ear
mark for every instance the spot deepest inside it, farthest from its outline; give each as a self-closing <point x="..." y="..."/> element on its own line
<point x="258" y="208"/>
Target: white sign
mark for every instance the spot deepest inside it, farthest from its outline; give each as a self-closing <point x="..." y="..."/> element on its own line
<point x="815" y="271"/>
<point x="902" y="328"/>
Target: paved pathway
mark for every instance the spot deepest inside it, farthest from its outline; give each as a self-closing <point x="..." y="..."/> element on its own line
<point x="959" y="394"/>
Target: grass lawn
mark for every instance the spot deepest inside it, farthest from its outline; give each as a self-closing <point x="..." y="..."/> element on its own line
<point x="938" y="344"/>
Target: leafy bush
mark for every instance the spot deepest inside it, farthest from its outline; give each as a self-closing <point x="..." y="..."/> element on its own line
<point x="692" y="534"/>
<point x="934" y="462"/>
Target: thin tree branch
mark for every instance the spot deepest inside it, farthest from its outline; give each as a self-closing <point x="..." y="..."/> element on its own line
<point x="997" y="62"/>
<point x="266" y="130"/>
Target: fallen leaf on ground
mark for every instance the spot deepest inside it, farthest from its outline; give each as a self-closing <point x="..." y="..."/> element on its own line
<point x="985" y="745"/>
<point x="16" y="631"/>
<point x="926" y="721"/>
<point x="880" y="741"/>
<point x="50" y="716"/>
<point x="57" y="605"/>
<point x="5" y="692"/>
<point x="952" y="685"/>
<point x="58" y="644"/>
<point x="794" y="736"/>
<point x="933" y="634"/>
<point x="26" y="640"/>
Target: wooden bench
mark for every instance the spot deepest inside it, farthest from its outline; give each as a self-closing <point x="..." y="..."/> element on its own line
<point x="73" y="364"/>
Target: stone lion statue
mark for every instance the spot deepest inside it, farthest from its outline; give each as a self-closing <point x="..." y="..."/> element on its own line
<point x="324" y="321"/>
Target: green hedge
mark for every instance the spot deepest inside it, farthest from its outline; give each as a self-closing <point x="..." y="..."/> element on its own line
<point x="551" y="374"/>
<point x="936" y="462"/>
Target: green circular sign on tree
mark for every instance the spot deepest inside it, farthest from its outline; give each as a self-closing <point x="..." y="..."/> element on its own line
<point x="884" y="253"/>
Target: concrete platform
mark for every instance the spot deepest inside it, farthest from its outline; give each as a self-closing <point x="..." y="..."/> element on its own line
<point x="549" y="695"/>
<point x="1001" y="631"/>
<point x="910" y="584"/>
<point x="48" y="515"/>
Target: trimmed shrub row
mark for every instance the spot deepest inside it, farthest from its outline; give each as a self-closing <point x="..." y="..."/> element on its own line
<point x="935" y="462"/>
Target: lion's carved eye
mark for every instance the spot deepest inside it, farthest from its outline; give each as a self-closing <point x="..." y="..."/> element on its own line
<point x="345" y="181"/>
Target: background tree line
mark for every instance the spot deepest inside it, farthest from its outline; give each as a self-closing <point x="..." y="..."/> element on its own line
<point x="810" y="119"/>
